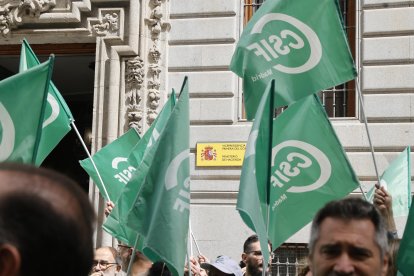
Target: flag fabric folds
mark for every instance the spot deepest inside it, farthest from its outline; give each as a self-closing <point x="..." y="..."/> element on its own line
<point x="113" y="225"/>
<point x="309" y="168"/>
<point x="22" y="105"/>
<point x="157" y="204"/>
<point x="252" y="197"/>
<point x="405" y="257"/>
<point x="112" y="164"/>
<point x="57" y="118"/>
<point x="397" y="181"/>
<point x="305" y="52"/>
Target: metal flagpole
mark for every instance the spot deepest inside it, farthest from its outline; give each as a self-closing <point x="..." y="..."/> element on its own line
<point x="368" y="135"/>
<point x="189" y="253"/>
<point x="194" y="239"/>
<point x="72" y="122"/>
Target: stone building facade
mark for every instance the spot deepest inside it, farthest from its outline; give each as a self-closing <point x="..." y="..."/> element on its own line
<point x="143" y="48"/>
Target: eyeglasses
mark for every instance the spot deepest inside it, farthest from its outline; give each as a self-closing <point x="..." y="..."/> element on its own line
<point x="103" y="264"/>
<point x="124" y="246"/>
<point x="258" y="253"/>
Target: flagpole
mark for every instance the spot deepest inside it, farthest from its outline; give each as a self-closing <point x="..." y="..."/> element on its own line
<point x="269" y="167"/>
<point x="269" y="157"/>
<point x="195" y="241"/>
<point x="368" y="134"/>
<point x="189" y="253"/>
<point x="72" y="122"/>
<point x="131" y="261"/>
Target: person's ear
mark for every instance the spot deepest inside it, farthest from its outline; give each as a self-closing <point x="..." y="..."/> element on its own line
<point x="244" y="257"/>
<point x="10" y="260"/>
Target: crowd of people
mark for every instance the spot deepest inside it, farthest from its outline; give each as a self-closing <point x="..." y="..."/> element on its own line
<point x="46" y="228"/>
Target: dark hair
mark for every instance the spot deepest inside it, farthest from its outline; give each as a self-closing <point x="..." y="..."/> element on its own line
<point x="252" y="239"/>
<point x="351" y="209"/>
<point x="159" y="269"/>
<point x="304" y="271"/>
<point x="48" y="218"/>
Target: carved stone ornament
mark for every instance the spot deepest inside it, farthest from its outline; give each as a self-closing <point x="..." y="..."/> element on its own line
<point x="154" y="70"/>
<point x="134" y="77"/>
<point x="155" y="21"/>
<point x="134" y="117"/>
<point x="155" y="53"/>
<point x="153" y="100"/>
<point x="108" y="24"/>
<point x="152" y="115"/>
<point x="135" y="72"/>
<point x="12" y="11"/>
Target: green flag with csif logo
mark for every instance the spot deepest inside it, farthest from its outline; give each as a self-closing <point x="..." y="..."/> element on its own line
<point x="309" y="168"/>
<point x="112" y="164"/>
<point x="57" y="118"/>
<point x="299" y="43"/>
<point x="135" y="155"/>
<point x="22" y="105"/>
<point x="252" y="197"/>
<point x="157" y="203"/>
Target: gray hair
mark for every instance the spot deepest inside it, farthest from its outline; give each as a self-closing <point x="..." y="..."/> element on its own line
<point x="351" y="209"/>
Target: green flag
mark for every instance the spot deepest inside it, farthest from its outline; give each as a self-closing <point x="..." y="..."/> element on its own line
<point x="309" y="168"/>
<point x="112" y="164"/>
<point x="405" y="257"/>
<point x="397" y="181"/>
<point x="22" y="104"/>
<point x="157" y="203"/>
<point x="57" y="118"/>
<point x="113" y="225"/>
<point x="153" y="133"/>
<point x="252" y="197"/>
<point x="299" y="43"/>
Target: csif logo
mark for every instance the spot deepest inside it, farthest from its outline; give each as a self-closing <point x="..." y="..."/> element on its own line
<point x="180" y="162"/>
<point x="123" y="175"/>
<point x="54" y="105"/>
<point x="304" y="164"/>
<point x="283" y="43"/>
<point x="8" y="134"/>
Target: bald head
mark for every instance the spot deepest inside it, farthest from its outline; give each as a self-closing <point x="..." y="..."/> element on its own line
<point x="47" y="219"/>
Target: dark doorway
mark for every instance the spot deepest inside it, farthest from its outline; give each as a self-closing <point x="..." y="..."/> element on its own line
<point x="73" y="75"/>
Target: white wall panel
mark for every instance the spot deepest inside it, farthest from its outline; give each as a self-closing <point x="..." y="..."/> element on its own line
<point x="390" y="106"/>
<point x="388" y="77"/>
<point x="381" y="21"/>
<point x="212" y="110"/>
<point x="388" y="49"/>
<point x="203" y="29"/>
<point x="200" y="56"/>
<point x="208" y="84"/>
<point x="191" y="7"/>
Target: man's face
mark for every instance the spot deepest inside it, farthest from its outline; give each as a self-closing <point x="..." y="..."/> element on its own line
<point x="254" y="260"/>
<point x="347" y="248"/>
<point x="104" y="263"/>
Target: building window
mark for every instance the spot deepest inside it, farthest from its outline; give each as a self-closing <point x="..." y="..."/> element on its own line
<point x="289" y="259"/>
<point x="339" y="101"/>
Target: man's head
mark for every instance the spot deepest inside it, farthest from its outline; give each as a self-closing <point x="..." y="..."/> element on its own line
<point x="106" y="262"/>
<point x="45" y="219"/>
<point x="348" y="237"/>
<point x="252" y="256"/>
<point x="222" y="266"/>
<point x="141" y="263"/>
